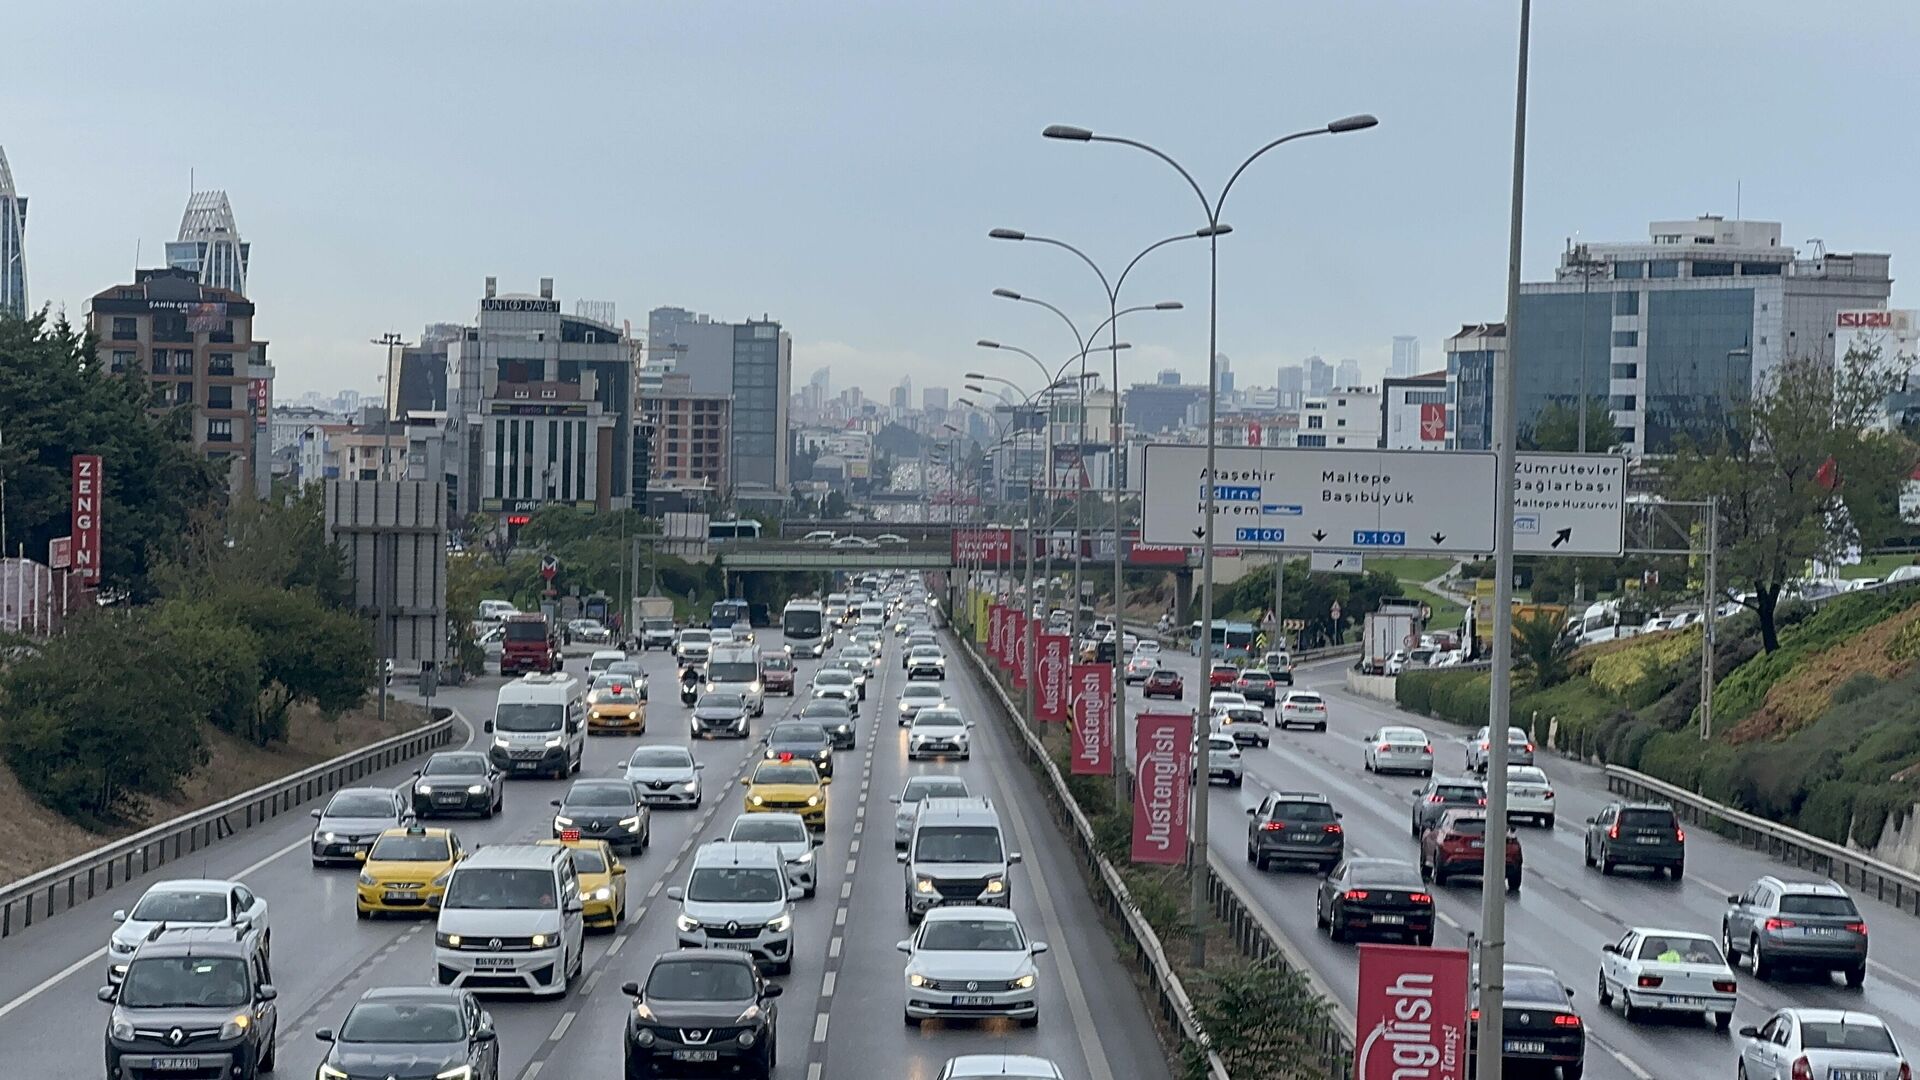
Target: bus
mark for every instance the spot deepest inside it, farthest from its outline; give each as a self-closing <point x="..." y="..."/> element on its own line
<point x="733" y="529"/>
<point x="803" y="623"/>
<point x="727" y="612"/>
<point x="1231" y="640"/>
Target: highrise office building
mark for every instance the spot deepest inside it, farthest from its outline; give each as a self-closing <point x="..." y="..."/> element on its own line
<point x="752" y="362"/>
<point x="1319" y="377"/>
<point x="1406" y="357"/>
<point x="13" y="245"/>
<point x="1225" y="377"/>
<point x="1347" y="374"/>
<point x="209" y="244"/>
<point x="1290" y="386"/>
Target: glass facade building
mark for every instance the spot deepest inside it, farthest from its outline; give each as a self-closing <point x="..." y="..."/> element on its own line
<point x="13" y="241"/>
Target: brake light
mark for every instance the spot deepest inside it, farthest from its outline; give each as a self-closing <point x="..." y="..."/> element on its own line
<point x="1334" y="829"/>
<point x="1436" y="798"/>
<point x="1680" y="834"/>
<point x="1356" y="894"/>
<point x="1802" y="1070"/>
<point x="1857" y="927"/>
<point x="1420" y="898"/>
<point x="1613" y="831"/>
<point x="1725" y="986"/>
<point x="1905" y="1072"/>
<point x="1548" y="793"/>
<point x="1273" y="826"/>
<point x="1474" y="1015"/>
<point x="1649" y="981"/>
<point x="1566" y="1020"/>
<point x="786" y="755"/>
<point x="1483" y="800"/>
<point x="1384" y="747"/>
<point x="1426" y="749"/>
<point x="1529" y="748"/>
<point x="1781" y="924"/>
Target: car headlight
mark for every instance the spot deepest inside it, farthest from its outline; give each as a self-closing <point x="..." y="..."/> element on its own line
<point x="122" y="1029"/>
<point x="756" y="800"/>
<point x="236" y="1025"/>
<point x="686" y="923"/>
<point x="805" y="857"/>
<point x="328" y="837"/>
<point x="128" y="946"/>
<point x="644" y="1037"/>
<point x="477" y="789"/>
<point x="781" y="924"/>
<point x="447" y="941"/>
<point x="328" y="1072"/>
<point x="553" y="742"/>
<point x="423" y="789"/>
<point x="604" y="892"/>
<point x="923" y="886"/>
<point x="691" y="785"/>
<point x="996" y="886"/>
<point x="501" y="744"/>
<point x="813" y="800"/>
<point x="755" y="687"/>
<point x="1024" y="982"/>
<point x="561" y="819"/>
<point x="632" y="823"/>
<point x="539" y="941"/>
<point x="458" y="1072"/>
<point x="916" y="980"/>
<point x="746" y="1038"/>
<point x="366" y="878"/>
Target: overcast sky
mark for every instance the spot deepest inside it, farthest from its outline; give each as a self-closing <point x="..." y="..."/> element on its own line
<point x="837" y="164"/>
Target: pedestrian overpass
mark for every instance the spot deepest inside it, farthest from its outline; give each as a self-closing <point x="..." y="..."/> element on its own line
<point x="748" y="556"/>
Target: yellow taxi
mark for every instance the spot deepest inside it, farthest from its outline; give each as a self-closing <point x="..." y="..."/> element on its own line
<point x="614" y="705"/>
<point x="603" y="879"/>
<point x="788" y="784"/>
<point x="406" y="870"/>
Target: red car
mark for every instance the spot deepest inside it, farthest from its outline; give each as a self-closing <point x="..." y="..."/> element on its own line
<point x="1222" y="676"/>
<point x="776" y="673"/>
<point x="1453" y="845"/>
<point x="1164" y="682"/>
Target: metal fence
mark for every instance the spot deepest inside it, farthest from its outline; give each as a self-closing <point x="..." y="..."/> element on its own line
<point x="78" y="880"/>
<point x="1856" y="870"/>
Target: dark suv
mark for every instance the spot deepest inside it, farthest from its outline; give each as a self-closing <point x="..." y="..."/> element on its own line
<point x="196" y="1004"/>
<point x="1298" y="826"/>
<point x="1441" y="794"/>
<point x="1455" y="845"/>
<point x="704" y="1012"/>
<point x="1636" y="834"/>
<point x="1807" y="924"/>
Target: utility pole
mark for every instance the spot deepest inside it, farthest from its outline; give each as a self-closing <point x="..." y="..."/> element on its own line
<point x="1709" y="603"/>
<point x="1279" y="602"/>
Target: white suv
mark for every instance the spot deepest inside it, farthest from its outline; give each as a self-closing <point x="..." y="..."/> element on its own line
<point x="958" y="856"/>
<point x="738" y="897"/>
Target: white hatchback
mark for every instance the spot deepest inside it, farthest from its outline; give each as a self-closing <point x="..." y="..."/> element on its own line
<point x="971" y="962"/>
<point x="1529" y="794"/>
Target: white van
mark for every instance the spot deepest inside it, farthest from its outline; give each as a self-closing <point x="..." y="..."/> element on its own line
<point x="957" y="855"/>
<point x="602" y="659"/>
<point x="873" y="614"/>
<point x="735" y="669"/>
<point x="836" y="608"/>
<point x="539" y="726"/>
<point x="511" y="921"/>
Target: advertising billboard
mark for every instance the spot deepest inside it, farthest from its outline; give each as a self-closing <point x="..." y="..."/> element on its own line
<point x="997" y="634"/>
<point x="1892" y="332"/>
<point x="86" y="517"/>
<point x="1411" y="1015"/>
<point x="1162" y="770"/>
<point x="992" y="546"/>
<point x="1017" y="649"/>
<point x="1051" y="692"/>
<point x="1092" y="720"/>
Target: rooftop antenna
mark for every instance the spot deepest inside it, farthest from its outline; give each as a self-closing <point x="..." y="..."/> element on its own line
<point x="1736" y="199"/>
<point x="136" y="258"/>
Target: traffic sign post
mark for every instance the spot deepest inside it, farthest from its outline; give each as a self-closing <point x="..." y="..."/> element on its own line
<point x="1570" y="504"/>
<point x="1336" y="562"/>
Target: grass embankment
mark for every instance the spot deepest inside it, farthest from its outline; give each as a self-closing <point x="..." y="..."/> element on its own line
<point x="1413" y="574"/>
<point x="1822" y="734"/>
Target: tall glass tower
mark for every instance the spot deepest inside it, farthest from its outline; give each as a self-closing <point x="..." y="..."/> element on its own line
<point x="13" y="250"/>
<point x="210" y="243"/>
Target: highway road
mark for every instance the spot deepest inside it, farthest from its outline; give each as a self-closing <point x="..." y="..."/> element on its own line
<point x="1564" y="912"/>
<point x="840" y="1016"/>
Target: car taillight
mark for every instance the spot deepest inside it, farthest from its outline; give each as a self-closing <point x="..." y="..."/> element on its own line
<point x="1384" y="747"/>
<point x="1781" y="924"/>
<point x="1613" y="832"/>
<point x="1905" y="1072"/>
<point x="1426" y="749"/>
<point x="1436" y="799"/>
<point x="1483" y="800"/>
<point x="1420" y="898"/>
<point x="1725" y="986"/>
<point x="1335" y="829"/>
<point x="1273" y="826"/>
<point x="1566" y="1020"/>
<point x="1679" y="834"/>
<point x="1857" y="928"/>
<point x="1356" y="894"/>
<point x="1802" y="1070"/>
<point x="1649" y="981"/>
<point x="1474" y="1015"/>
<point x="1547" y="794"/>
<point x="1529" y="748"/>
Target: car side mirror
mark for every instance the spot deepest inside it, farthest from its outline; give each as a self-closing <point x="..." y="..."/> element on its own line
<point x="485" y="1032"/>
<point x="1251" y="810"/>
<point x="904" y="945"/>
<point x="1750" y="1032"/>
<point x="359" y="856"/>
<point x="826" y="780"/>
<point x="487" y="727"/>
<point x="265" y="992"/>
<point x="773" y="990"/>
<point x="1338" y="816"/>
<point x="795" y="892"/>
<point x="105" y="993"/>
<point x="120" y="916"/>
<point x="1569" y="991"/>
<point x="314" y="814"/>
<point x="1593" y="821"/>
<point x="1038" y="947"/>
<point x="416" y="772"/>
<point x="1013" y="857"/>
<point x="745" y="782"/>
<point x="1610" y="947"/>
<point x="573" y="906"/>
<point x="553" y="802"/>
<point x="631" y="989"/>
<point x="324" y="1035"/>
<point x="698" y="765"/>
<point x="969" y="723"/>
<point x="619" y="869"/>
<point x="675" y="892"/>
<point x="900" y="856"/>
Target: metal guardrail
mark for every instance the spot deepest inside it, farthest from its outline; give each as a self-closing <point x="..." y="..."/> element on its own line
<point x="78" y="880"/>
<point x="1860" y="872"/>
<point x="1259" y="939"/>
<point x="1111" y="893"/>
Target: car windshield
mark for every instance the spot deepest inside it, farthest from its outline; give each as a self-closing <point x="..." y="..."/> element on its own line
<point x="1536" y="987"/>
<point x="660" y="757"/>
<point x="922" y="690"/>
<point x="1304" y="699"/>
<point x="658" y="624"/>
<point x="782" y="773"/>
<point x="735" y="885"/>
<point x="826" y="710"/>
<point x="588" y="861"/>
<point x="455" y="765"/>
<point x="1404" y="735"/>
<point x="833" y="677"/>
<point x="776" y="663"/>
<point x="349" y="806"/>
<point x="934" y="788"/>
<point x="169" y="905"/>
<point x="925" y="650"/>
<point x="1837" y="1035"/>
<point x="409" y="849"/>
<point x="972" y="935"/>
<point x="733" y="671"/>
<point x="604" y="794"/>
<point x="1458" y="792"/>
<point x="1470" y="826"/>
<point x="498" y="888"/>
<point x="1221" y="743"/>
<point x="613" y="691"/>
<point x="1243" y="713"/>
<point x="759" y="828"/>
<point x="699" y="980"/>
<point x="958" y="844"/>
<point x="1816" y="904"/>
<point x="1385" y="875"/>
<point x="1165" y="675"/>
<point x="1685" y="950"/>
<point x="1254" y="676"/>
<point x="721" y="701"/>
<point x="938" y="720"/>
<point x="186" y="982"/>
<point x="1301" y="811"/>
<point x="696" y="637"/>
<point x="403" y="1022"/>
<point x="1647" y="819"/>
<point x="515" y="716"/>
<point x="534" y="630"/>
<point x="1526" y="774"/>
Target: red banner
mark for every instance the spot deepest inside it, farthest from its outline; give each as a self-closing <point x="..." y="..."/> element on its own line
<point x="991" y="546"/>
<point x="1017" y="650"/>
<point x="1433" y="422"/>
<point x="86" y="517"/>
<point x="1162" y="783"/>
<point x="1412" y="1013"/>
<point x="997" y="634"/>
<point x="1092" y="719"/>
<point x="1050" y="694"/>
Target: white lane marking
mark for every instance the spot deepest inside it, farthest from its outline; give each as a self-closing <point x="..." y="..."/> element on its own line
<point x="820" y="1028"/>
<point x="854" y="849"/>
<point x="840" y="917"/>
<point x="593" y="980"/>
<point x="618" y="944"/>
<point x="813" y="1071"/>
<point x="833" y="947"/>
<point x="1626" y="1062"/>
<point x="54" y="980"/>
<point x="826" y="983"/>
<point x="850" y="866"/>
<point x="560" y="1029"/>
<point x="846" y="890"/>
<point x="655" y="890"/>
<point x="1446" y="918"/>
<point x="533" y="1070"/>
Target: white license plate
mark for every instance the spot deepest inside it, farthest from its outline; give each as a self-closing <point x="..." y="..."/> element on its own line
<point x="1687" y="1002"/>
<point x="1853" y="1074"/>
<point x="448" y="799"/>
<point x="696" y="1055"/>
<point x="493" y="963"/>
<point x="172" y="1064"/>
<point x="1823" y="931"/>
<point x="1300" y="836"/>
<point x="402" y="894"/>
<point x="742" y="946"/>
<point x="525" y="766"/>
<point x="1478" y="844"/>
<point x="972" y="999"/>
<point x="1524" y="1046"/>
<point x="1389" y="920"/>
<point x="1646" y="839"/>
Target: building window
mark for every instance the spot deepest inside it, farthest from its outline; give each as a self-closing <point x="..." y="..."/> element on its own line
<point x="224" y="335"/>
<point x="122" y="359"/>
<point x="1626" y="339"/>
<point x="1629" y="270"/>
<point x="1664" y="268"/>
<point x="1626" y="303"/>
<point x="1311" y="440"/>
<point x="219" y="431"/>
<point x="1712" y="269"/>
<point x="125" y="328"/>
<point x="220" y="363"/>
<point x="1759" y="269"/>
<point x="1625" y="436"/>
<point x="1314" y="423"/>
<point x="1626" y="371"/>
<point x="1623" y="403"/>
<point x="1341" y="422"/>
<point x="182" y="393"/>
<point x="219" y="397"/>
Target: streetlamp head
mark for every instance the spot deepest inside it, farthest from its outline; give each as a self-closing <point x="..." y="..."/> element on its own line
<point x="1006" y="294"/>
<point x="975" y="375"/>
<point x="985" y="344"/>
<point x="968" y="402"/>
<point x="1117" y="346"/>
<point x="971" y="388"/>
<point x="1067" y="131"/>
<point x="1213" y="230"/>
<point x="1168" y="305"/>
<point x="1359" y="122"/>
<point x="1006" y="234"/>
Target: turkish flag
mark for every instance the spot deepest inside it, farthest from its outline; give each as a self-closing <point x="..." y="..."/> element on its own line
<point x="1828" y="474"/>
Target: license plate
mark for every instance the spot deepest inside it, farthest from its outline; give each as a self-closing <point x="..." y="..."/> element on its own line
<point x="176" y="1063"/>
<point x="494" y="963"/>
<point x="1478" y="844"/>
<point x="1687" y="1002"/>
<point x="1389" y="920"/>
<point x="448" y="800"/>
<point x="972" y="999"/>
<point x="402" y="894"/>
<point x="696" y="1055"/>
<point x="1853" y="1074"/>
<point x="524" y="766"/>
<point x="1300" y="836"/>
<point x="741" y="946"/>
<point x="1646" y="839"/>
<point x="1524" y="1046"/>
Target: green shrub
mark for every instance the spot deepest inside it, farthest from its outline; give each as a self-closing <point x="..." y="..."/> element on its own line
<point x="1876" y="804"/>
<point x="1741" y="692"/>
<point x="1858" y="685"/>
<point x="1238" y="1006"/>
<point x="1828" y="810"/>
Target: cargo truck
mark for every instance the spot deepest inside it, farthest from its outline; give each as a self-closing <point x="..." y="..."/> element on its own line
<point x="1386" y="631"/>
<point x="527" y="644"/>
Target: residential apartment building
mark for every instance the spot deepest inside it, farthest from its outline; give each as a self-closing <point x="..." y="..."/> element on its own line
<point x="691" y="437"/>
<point x="752" y="362"/>
<point x="1348" y="417"/>
<point x="1413" y="412"/>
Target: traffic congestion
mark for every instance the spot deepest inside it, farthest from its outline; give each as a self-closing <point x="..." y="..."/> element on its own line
<point x="606" y="878"/>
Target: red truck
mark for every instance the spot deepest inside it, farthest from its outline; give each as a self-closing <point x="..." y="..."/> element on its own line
<point x="526" y="644"/>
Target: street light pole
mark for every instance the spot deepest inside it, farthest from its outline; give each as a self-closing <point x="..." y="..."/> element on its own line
<point x="384" y="637"/>
<point x="1212" y="207"/>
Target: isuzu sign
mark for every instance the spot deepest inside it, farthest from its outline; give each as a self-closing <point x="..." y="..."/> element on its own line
<point x="86" y="517"/>
<point x="1162" y="788"/>
<point x="1411" y="1016"/>
<point x="1092" y="746"/>
<point x="1050" y="695"/>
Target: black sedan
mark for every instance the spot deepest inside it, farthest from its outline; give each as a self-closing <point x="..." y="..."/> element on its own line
<point x="1374" y="898"/>
<point x="459" y="782"/>
<point x="609" y="810"/>
<point x="804" y="740"/>
<point x="834" y="717"/>
<point x="704" y="1012"/>
<point x="721" y="712"/>
<point x="413" y="1031"/>
<point x="1539" y="1028"/>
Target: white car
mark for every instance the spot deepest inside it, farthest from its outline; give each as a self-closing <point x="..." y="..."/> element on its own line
<point x="818" y="536"/>
<point x="1668" y="971"/>
<point x="1303" y="708"/>
<point x="1140" y="667"/>
<point x="925" y="662"/>
<point x="1146" y="648"/>
<point x="738" y="897"/>
<point x="790" y="834"/>
<point x="1823" y="1043"/>
<point x="860" y="542"/>
<point x="917" y="696"/>
<point x="1247" y="724"/>
<point x="1399" y="749"/>
<point x="1223" y="760"/>
<point x="969" y="962"/>
<point x="186" y="902"/>
<point x="920" y="788"/>
<point x="1000" y="1067"/>
<point x="1221" y="699"/>
<point x="665" y="775"/>
<point x="1529" y="794"/>
<point x="938" y="732"/>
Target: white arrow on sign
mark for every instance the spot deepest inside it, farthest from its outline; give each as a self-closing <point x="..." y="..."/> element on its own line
<point x="1336" y="562"/>
<point x="1570" y="504"/>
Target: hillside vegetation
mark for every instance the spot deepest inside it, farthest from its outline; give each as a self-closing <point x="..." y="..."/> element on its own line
<point x="1822" y="734"/>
